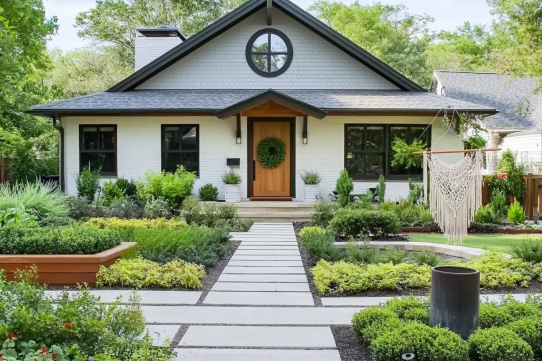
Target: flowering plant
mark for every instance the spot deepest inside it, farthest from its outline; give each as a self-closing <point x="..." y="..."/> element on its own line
<point x="501" y="175"/>
<point x="30" y="351"/>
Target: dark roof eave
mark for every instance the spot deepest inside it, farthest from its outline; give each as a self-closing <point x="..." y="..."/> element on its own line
<point x="407" y="111"/>
<point x="51" y="112"/>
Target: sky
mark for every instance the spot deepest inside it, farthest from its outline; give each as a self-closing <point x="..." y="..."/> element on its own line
<point x="448" y="15"/>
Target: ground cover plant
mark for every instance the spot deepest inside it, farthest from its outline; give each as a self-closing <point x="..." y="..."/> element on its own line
<point x="140" y="273"/>
<point x="77" y="239"/>
<point x="124" y="224"/>
<point x="74" y="322"/>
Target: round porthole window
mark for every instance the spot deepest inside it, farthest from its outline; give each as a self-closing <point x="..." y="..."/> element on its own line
<point x="269" y="52"/>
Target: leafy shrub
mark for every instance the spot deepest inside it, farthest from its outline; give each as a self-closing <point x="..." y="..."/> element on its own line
<point x="323" y="213"/>
<point x="200" y="245"/>
<point x="369" y="317"/>
<point x="208" y="192"/>
<point x="310" y="177"/>
<point x="123" y="224"/>
<point x="319" y="244"/>
<point x="402" y="153"/>
<point x="112" y="192"/>
<point x="192" y="212"/>
<point x="427" y="343"/>
<point x="528" y="250"/>
<point x="427" y="258"/>
<point x="515" y="213"/>
<point x="381" y="188"/>
<point x="16" y="217"/>
<point x="43" y="199"/>
<point x="361" y="253"/>
<point x="393" y="255"/>
<point x="476" y="227"/>
<point x="173" y="188"/>
<point x="123" y="208"/>
<point x="214" y="215"/>
<point x="139" y="273"/>
<point x="63" y="240"/>
<point x="415" y="192"/>
<point x="354" y="223"/>
<point x="342" y="277"/>
<point x="157" y="208"/>
<point x="511" y="184"/>
<point x="87" y="183"/>
<point x="345" y="186"/>
<point x="77" y="319"/>
<point x="231" y="177"/>
<point x="498" y="344"/>
<point x="486" y="214"/>
<point x="406" y="307"/>
<point x="128" y="187"/>
<point x="497" y="314"/>
<point x="530" y="331"/>
<point x="31" y="351"/>
<point x="56" y="222"/>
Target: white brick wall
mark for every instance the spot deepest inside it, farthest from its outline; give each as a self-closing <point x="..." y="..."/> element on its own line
<point x="221" y="63"/>
<point x="149" y="48"/>
<point x="139" y="148"/>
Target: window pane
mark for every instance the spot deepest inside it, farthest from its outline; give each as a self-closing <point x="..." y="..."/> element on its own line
<point x="375" y="138"/>
<point x="90" y="159"/>
<point x="262" y="43"/>
<point x="90" y="138"/>
<point x="260" y="61"/>
<point x="107" y="162"/>
<point x="398" y="133"/>
<point x="355" y="164"/>
<point x="416" y="132"/>
<point x="409" y="135"/>
<point x="277" y="44"/>
<point x="189" y="139"/>
<point x="172" y="160"/>
<point x="107" y="139"/>
<point x="374" y="164"/>
<point x="354" y="138"/>
<point x="99" y="161"/>
<point x="278" y="61"/>
<point x="172" y="139"/>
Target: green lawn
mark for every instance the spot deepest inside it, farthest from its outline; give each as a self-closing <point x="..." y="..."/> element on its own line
<point x="492" y="242"/>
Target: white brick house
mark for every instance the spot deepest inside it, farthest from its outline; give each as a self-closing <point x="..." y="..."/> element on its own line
<point x="268" y="69"/>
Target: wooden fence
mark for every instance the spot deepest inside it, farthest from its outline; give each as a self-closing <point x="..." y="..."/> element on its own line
<point x="533" y="194"/>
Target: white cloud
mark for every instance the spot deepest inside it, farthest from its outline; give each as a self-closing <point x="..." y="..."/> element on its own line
<point x="448" y="15"/>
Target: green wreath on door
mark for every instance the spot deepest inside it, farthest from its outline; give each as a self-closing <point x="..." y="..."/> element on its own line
<point x="271" y="152"/>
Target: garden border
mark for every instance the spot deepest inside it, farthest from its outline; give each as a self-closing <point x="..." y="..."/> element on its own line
<point x="64" y="269"/>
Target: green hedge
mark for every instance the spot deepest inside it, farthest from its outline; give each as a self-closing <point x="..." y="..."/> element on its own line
<point x="77" y="239"/>
<point x="498" y="344"/>
<point x="356" y="222"/>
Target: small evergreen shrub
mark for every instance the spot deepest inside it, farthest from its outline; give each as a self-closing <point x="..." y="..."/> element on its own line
<point x="310" y="177"/>
<point x="515" y="213"/>
<point x="157" y="208"/>
<point x="486" y="214"/>
<point x="319" y="244"/>
<point x="231" y="177"/>
<point x="381" y="189"/>
<point x="128" y="187"/>
<point x="415" y="192"/>
<point x="498" y="344"/>
<point x="407" y="308"/>
<point x="139" y="273"/>
<point x="499" y="203"/>
<point x="530" y="331"/>
<point x="476" y="227"/>
<point x="368" y="317"/>
<point x="359" y="222"/>
<point x="111" y="192"/>
<point x="508" y="310"/>
<point x="123" y="224"/>
<point x="173" y="188"/>
<point x="345" y="186"/>
<point x="323" y="213"/>
<point x="208" y="193"/>
<point x="528" y="250"/>
<point x="87" y="183"/>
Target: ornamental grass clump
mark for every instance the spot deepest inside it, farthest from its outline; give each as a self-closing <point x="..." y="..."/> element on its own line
<point x="44" y="200"/>
<point x="310" y="177"/>
<point x="140" y="273"/>
<point x="231" y="177"/>
<point x="528" y="250"/>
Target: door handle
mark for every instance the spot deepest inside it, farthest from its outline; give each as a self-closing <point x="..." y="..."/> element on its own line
<point x="253" y="170"/>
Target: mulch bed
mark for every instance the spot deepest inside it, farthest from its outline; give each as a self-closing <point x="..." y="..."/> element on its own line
<point x="348" y="348"/>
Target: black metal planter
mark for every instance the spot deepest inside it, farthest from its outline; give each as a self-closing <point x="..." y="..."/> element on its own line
<point x="455" y="299"/>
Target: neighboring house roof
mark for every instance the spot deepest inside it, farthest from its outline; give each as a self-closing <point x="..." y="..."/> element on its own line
<point x="241" y="13"/>
<point x="502" y="92"/>
<point x="213" y="101"/>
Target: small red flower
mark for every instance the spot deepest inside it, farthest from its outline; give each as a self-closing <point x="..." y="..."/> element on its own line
<point x="502" y="175"/>
<point x="11" y="336"/>
<point x="43" y="350"/>
<point x="1" y="356"/>
<point x="68" y="325"/>
<point x="54" y="356"/>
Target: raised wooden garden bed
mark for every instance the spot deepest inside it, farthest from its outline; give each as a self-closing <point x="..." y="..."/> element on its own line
<point x="415" y="230"/>
<point x="64" y="269"/>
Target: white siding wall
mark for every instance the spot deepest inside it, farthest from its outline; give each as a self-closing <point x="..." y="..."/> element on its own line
<point x="139" y="148"/>
<point x="527" y="148"/>
<point x="221" y="63"/>
<point x="148" y="49"/>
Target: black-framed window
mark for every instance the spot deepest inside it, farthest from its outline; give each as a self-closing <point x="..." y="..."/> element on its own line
<point x="269" y="52"/>
<point x="180" y="146"/>
<point x="98" y="148"/>
<point x="368" y="149"/>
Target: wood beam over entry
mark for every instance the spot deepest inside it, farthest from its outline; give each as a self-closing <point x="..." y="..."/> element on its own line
<point x="269" y="12"/>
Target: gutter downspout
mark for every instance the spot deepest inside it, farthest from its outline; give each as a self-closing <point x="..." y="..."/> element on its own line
<point x="58" y="127"/>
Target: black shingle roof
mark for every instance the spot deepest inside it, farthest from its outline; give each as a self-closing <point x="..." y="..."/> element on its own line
<point x="205" y="101"/>
<point x="502" y="92"/>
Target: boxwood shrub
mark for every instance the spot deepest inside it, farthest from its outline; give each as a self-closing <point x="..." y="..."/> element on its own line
<point x="78" y="239"/>
<point x="530" y="331"/>
<point x="498" y="344"/>
<point x="356" y="222"/>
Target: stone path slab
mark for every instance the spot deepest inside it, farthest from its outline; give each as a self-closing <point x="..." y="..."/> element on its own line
<point x="147" y="297"/>
<point x="237" y="263"/>
<point x="254" y="336"/>
<point x="263" y="270"/>
<point x="259" y="298"/>
<point x="225" y="315"/>
<point x="268" y="243"/>
<point x="262" y="278"/>
<point x="199" y="354"/>
<point x="258" y="252"/>
<point x="251" y="257"/>
<point x="161" y="333"/>
<point x="275" y="247"/>
<point x="261" y="287"/>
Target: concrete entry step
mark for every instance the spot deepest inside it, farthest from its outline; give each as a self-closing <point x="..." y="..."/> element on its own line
<point x="259" y="298"/>
<point x="257" y="336"/>
<point x="200" y="354"/>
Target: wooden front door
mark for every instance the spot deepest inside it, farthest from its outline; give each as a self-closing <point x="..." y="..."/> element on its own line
<point x="271" y="182"/>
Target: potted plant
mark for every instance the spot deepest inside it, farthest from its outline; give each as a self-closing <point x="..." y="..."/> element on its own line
<point x="232" y="186"/>
<point x="312" y="186"/>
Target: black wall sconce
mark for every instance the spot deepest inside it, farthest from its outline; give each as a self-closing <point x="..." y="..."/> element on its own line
<point x="238" y="132"/>
<point x="305" y="133"/>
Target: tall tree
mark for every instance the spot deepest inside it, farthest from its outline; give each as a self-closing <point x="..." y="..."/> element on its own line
<point x="115" y="21"/>
<point x="388" y="32"/>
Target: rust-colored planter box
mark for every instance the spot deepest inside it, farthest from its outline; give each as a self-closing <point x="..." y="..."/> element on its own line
<point x="415" y="230"/>
<point x="64" y="269"/>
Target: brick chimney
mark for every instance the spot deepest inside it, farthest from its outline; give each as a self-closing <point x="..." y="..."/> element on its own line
<point x="150" y="43"/>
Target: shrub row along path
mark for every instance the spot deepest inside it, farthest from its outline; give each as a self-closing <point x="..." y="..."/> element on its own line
<point x="261" y="307"/>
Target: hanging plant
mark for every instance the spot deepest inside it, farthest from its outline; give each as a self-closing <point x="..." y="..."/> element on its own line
<point x="271" y="152"/>
<point x="403" y="156"/>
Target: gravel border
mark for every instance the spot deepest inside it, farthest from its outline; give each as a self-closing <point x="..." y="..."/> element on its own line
<point x="349" y="349"/>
